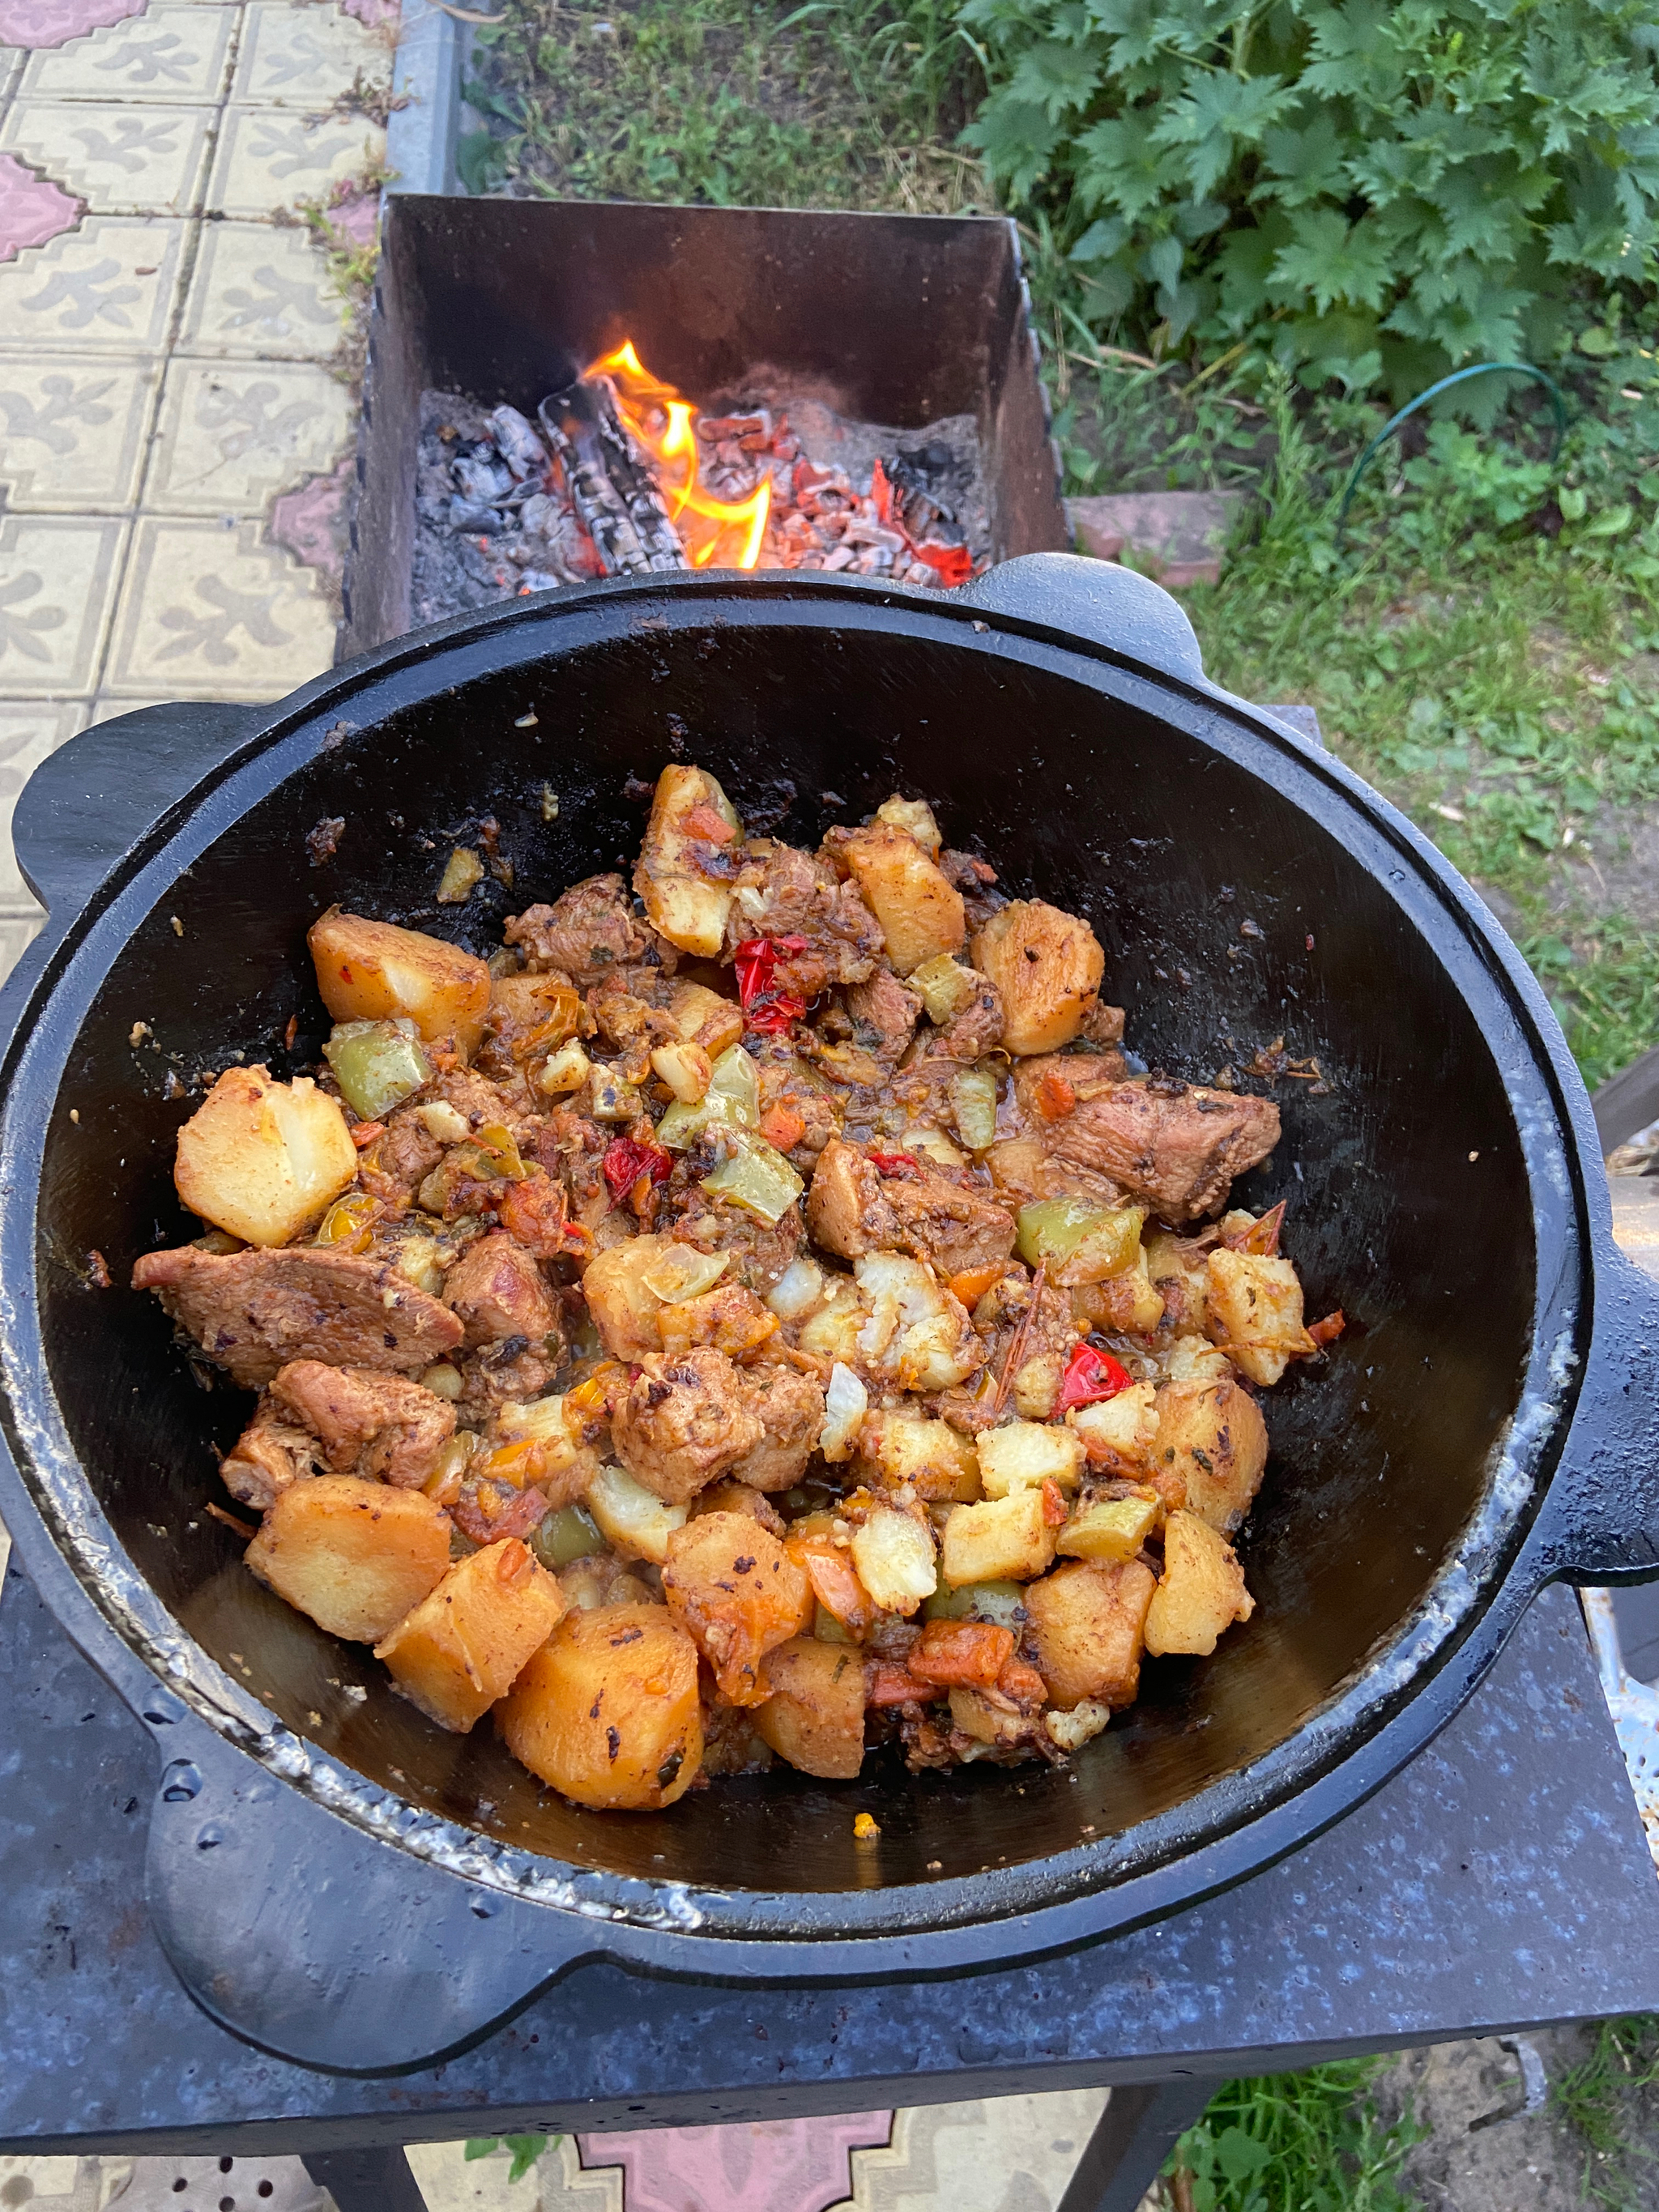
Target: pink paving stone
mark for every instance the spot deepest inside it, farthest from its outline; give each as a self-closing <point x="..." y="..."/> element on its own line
<point x="31" y="208"/>
<point x="354" y="216"/>
<point x="308" y="522"/>
<point x="371" y="12"/>
<point x="55" y="22"/>
<point x="774" y="2166"/>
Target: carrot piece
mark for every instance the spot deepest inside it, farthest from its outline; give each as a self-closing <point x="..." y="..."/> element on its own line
<point x="971" y="1285"/>
<point x="966" y="1653"/>
<point x="782" y="1128"/>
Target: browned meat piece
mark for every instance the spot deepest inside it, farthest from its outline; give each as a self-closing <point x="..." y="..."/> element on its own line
<point x="969" y="1035"/>
<point x="1103" y="1024"/>
<point x="254" y="1311"/>
<point x="476" y="1098"/>
<point x="791" y="1408"/>
<point x="684" y="1421"/>
<point x="513" y="1369"/>
<point x="779" y="891"/>
<point x="849" y="1212"/>
<point x="730" y="1495"/>
<point x="490" y="1512"/>
<point x="626" y="1018"/>
<point x="271" y="1453"/>
<point x="786" y="1081"/>
<point x="975" y="880"/>
<point x="499" y="1291"/>
<point x="885" y="1013"/>
<point x="397" y="1166"/>
<point x="951" y="1226"/>
<point x="382" y="1428"/>
<point x="587" y="933"/>
<point x="760" y="1255"/>
<point x="1175" y="1145"/>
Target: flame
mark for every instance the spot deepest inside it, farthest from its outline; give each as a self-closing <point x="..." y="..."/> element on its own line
<point x="715" y="533"/>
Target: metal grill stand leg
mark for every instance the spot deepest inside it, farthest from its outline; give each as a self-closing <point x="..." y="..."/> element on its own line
<point x="365" y="2180"/>
<point x="1133" y="2137"/>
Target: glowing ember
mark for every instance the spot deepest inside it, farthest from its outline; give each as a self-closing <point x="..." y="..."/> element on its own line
<point x="715" y="533"/>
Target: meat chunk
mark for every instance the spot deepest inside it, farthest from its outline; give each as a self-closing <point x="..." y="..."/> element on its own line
<point x="271" y="1453"/>
<point x="587" y="933"/>
<point x="779" y="891"/>
<point x="254" y="1311"/>
<point x="949" y="1224"/>
<point x="790" y="1405"/>
<point x="969" y="1034"/>
<point x="382" y="1428"/>
<point x="684" y="1421"/>
<point x="397" y="1163"/>
<point x="885" y="1013"/>
<point x="1176" y="1146"/>
<point x="499" y="1291"/>
<point x="512" y="1371"/>
<point x="847" y="1209"/>
<point x="760" y="1255"/>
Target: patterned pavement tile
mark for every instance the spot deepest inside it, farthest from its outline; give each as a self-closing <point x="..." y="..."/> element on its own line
<point x="269" y="158"/>
<point x="169" y="53"/>
<point x="210" y="613"/>
<point x="58" y="580"/>
<point x="72" y="432"/>
<point x="121" y="160"/>
<point x="28" y="731"/>
<point x="29" y="23"/>
<point x="259" y="293"/>
<point x="31" y="208"/>
<point x="107" y="287"/>
<point x="302" y="57"/>
<point x="231" y="436"/>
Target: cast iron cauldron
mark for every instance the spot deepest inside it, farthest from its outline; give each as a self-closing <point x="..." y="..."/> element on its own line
<point x="348" y="1887"/>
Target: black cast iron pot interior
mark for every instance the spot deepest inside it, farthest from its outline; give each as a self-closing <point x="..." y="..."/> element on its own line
<point x="1231" y="916"/>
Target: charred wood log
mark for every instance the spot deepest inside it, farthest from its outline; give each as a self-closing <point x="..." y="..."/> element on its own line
<point x="609" y="480"/>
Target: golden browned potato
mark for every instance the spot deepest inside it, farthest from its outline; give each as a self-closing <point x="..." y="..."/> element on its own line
<point x="607" y="1712"/>
<point x="1120" y="1433"/>
<point x="737" y="1593"/>
<point x="1255" y="1311"/>
<point x="1200" y="1592"/>
<point x="919" y="908"/>
<point x="894" y="1555"/>
<point x="1023" y="1455"/>
<point x="631" y="1517"/>
<point x="1004" y="1539"/>
<point x="263" y="1160"/>
<point x="813" y="1713"/>
<point x="1047" y="966"/>
<point x="1130" y="1304"/>
<point x="1214" y="1435"/>
<point x="624" y="1310"/>
<point x="704" y="1019"/>
<point x="934" y="1458"/>
<point x="355" y="1556"/>
<point x="1087" y="1625"/>
<point x="688" y="908"/>
<point x="463" y="1646"/>
<point x="372" y="972"/>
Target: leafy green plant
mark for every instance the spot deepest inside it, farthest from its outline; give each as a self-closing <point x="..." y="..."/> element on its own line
<point x="525" y="2150"/>
<point x="1376" y="189"/>
<point x="1311" y="2142"/>
<point x="1595" y="2098"/>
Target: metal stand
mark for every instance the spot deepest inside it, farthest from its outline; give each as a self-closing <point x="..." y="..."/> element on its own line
<point x="1133" y="2137"/>
<point x="365" y="2180"/>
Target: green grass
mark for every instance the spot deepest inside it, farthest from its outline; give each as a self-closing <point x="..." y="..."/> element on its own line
<point x="1596" y="2099"/>
<point x="524" y="2151"/>
<point x="1311" y="2142"/>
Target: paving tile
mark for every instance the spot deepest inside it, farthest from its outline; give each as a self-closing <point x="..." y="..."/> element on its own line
<point x="120" y="160"/>
<point x="31" y="23"/>
<point x="302" y="57"/>
<point x="231" y="436"/>
<point x="270" y="158"/>
<point x="33" y="208"/>
<point x="107" y="287"/>
<point x="260" y="293"/>
<point x="208" y="612"/>
<point x="169" y="53"/>
<point x="72" y="432"/>
<point x="57" y="578"/>
<point x="29" y="730"/>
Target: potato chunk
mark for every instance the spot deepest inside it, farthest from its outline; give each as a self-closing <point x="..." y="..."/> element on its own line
<point x="1027" y="1454"/>
<point x="895" y="1559"/>
<point x="1214" y="1436"/>
<point x="355" y="1556"/>
<point x="813" y="1713"/>
<point x="607" y="1712"/>
<point x="932" y="1457"/>
<point x="624" y="1309"/>
<point x="688" y="908"/>
<point x="737" y="1593"/>
<point x="918" y="1335"/>
<point x="1047" y="966"/>
<point x="1087" y="1626"/>
<point x="1255" y="1311"/>
<point x="1005" y="1540"/>
<point x="463" y="1646"/>
<point x="919" y="908"/>
<point x="1200" y="1592"/>
<point x="1119" y="1432"/>
<point x="631" y="1517"/>
<point x="372" y="972"/>
<point x="263" y="1160"/>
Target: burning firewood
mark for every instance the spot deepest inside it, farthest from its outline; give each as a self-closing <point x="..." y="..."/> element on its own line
<point x="609" y="480"/>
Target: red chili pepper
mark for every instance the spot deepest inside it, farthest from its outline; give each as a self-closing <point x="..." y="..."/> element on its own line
<point x="626" y="1159"/>
<point x="902" y="1164"/>
<point x="773" y="1013"/>
<point x="1327" y="1331"/>
<point x="755" y="960"/>
<point x="1090" y="1378"/>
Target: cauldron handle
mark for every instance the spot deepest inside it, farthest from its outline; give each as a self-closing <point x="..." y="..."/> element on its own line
<point x="89" y="804"/>
<point x="1096" y="600"/>
<point x="315" y="1941"/>
<point x="1601" y="1519"/>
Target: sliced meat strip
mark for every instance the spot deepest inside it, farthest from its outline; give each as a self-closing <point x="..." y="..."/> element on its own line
<point x="254" y="1311"/>
<point x="587" y="934"/>
<point x="383" y="1428"/>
